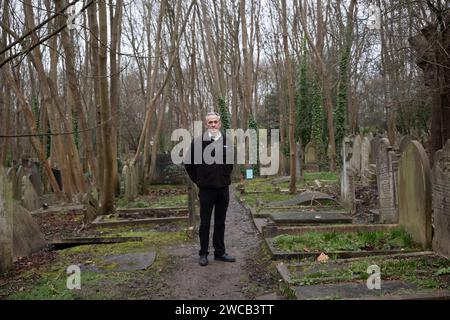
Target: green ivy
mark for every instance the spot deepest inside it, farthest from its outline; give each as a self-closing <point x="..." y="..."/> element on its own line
<point x="342" y="98"/>
<point x="253" y="125"/>
<point x="304" y="109"/>
<point x="224" y="115"/>
<point x="317" y="117"/>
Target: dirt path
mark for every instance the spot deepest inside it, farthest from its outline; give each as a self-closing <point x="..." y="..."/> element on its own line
<point x="218" y="280"/>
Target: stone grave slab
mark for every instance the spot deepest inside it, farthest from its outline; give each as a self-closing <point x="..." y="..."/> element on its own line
<point x="57" y="244"/>
<point x="314" y="280"/>
<point x="123" y="263"/>
<point x="306" y="197"/>
<point x="322" y="217"/>
<point x="351" y="290"/>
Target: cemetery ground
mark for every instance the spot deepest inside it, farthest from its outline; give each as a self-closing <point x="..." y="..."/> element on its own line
<point x="301" y="246"/>
<point x="165" y="255"/>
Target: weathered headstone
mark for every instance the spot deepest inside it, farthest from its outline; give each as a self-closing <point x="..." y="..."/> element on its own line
<point x="404" y="141"/>
<point x="298" y="160"/>
<point x="355" y="161"/>
<point x="415" y="193"/>
<point x="30" y="198"/>
<point x="311" y="160"/>
<point x="27" y="237"/>
<point x="374" y="145"/>
<point x="441" y="201"/>
<point x="347" y="177"/>
<point x="386" y="182"/>
<point x="6" y="221"/>
<point x="365" y="160"/>
<point x="91" y="205"/>
<point x="127" y="180"/>
<point x="35" y="179"/>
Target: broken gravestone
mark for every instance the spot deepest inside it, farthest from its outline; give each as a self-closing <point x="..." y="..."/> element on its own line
<point x="441" y="201"/>
<point x="415" y="193"/>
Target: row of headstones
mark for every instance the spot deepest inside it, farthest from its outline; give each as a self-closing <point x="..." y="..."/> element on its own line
<point x="408" y="189"/>
<point x="23" y="188"/>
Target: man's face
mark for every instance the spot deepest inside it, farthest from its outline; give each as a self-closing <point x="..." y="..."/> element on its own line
<point x="213" y="124"/>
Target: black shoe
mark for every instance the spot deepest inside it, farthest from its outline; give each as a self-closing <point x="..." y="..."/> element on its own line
<point x="225" y="257"/>
<point x="203" y="261"/>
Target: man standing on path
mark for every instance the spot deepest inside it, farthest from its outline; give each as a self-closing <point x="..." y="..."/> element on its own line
<point x="213" y="179"/>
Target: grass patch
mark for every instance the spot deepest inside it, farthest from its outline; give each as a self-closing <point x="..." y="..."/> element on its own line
<point x="265" y="197"/>
<point x="333" y="241"/>
<point x="419" y="271"/>
<point x="49" y="282"/>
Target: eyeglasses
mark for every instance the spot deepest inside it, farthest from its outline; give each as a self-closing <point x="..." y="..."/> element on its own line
<point x="213" y="122"/>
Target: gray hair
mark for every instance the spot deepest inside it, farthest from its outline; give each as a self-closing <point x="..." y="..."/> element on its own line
<point x="211" y="114"/>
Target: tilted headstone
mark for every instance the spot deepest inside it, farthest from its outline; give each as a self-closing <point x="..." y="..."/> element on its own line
<point x="347" y="177"/>
<point x="441" y="201"/>
<point x="27" y="237"/>
<point x="30" y="198"/>
<point x="355" y="161"/>
<point x="6" y="222"/>
<point x="365" y="160"/>
<point x="386" y="182"/>
<point x="415" y="193"/>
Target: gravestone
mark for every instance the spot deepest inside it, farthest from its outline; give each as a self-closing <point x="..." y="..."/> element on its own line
<point x="27" y="237"/>
<point x="374" y="145"/>
<point x="404" y="141"/>
<point x="35" y="179"/>
<point x="6" y="222"/>
<point x="134" y="180"/>
<point x="347" y="176"/>
<point x="365" y="161"/>
<point x="355" y="161"/>
<point x="127" y="180"/>
<point x="441" y="201"/>
<point x="311" y="160"/>
<point x="415" y="193"/>
<point x="166" y="171"/>
<point x="298" y="160"/>
<point x="30" y="198"/>
<point x="386" y="182"/>
<point x="91" y="205"/>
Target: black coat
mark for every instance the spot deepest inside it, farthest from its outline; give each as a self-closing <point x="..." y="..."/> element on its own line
<point x="210" y="176"/>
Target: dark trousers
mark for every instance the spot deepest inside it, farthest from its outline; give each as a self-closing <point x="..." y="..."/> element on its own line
<point x="209" y="199"/>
